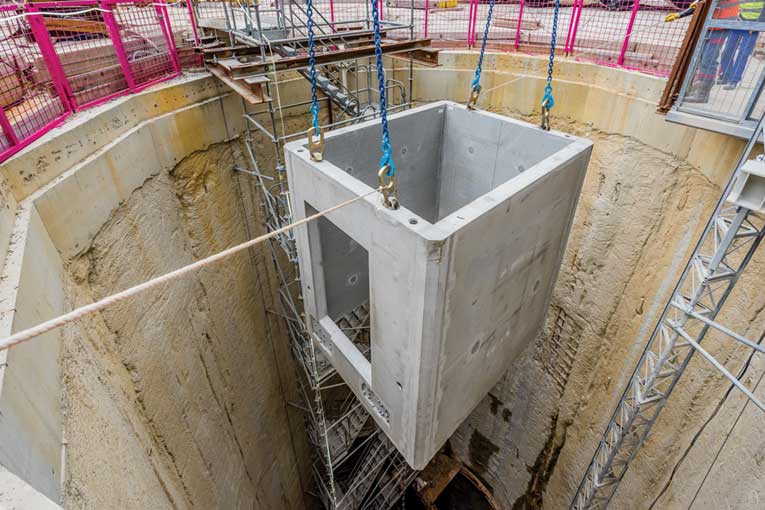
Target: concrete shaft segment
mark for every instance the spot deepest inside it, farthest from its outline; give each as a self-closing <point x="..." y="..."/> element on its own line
<point x="458" y="279"/>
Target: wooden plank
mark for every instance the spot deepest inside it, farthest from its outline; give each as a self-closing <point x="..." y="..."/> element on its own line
<point x="251" y="90"/>
<point x="526" y="24"/>
<point x="75" y="26"/>
<point x="438" y="474"/>
<point x="110" y="77"/>
<point x="344" y="27"/>
<point x="432" y="5"/>
<point x="427" y="57"/>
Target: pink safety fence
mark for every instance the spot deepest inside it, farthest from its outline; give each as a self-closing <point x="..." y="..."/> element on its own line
<point x="60" y="57"/>
<point x="626" y="33"/>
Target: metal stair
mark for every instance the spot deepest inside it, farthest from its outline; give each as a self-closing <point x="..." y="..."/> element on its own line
<point x="254" y="41"/>
<point x="355" y="325"/>
<point x="318" y="363"/>
<point x="392" y="485"/>
<point x="343" y="432"/>
<point x="366" y="473"/>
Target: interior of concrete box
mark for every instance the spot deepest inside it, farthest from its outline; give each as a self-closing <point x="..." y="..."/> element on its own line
<point x="139" y="139"/>
<point x="345" y="266"/>
<point x="447" y="157"/>
<point x="450" y="157"/>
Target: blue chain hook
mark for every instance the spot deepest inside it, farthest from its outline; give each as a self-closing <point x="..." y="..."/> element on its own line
<point x="547" y="100"/>
<point x="475" y="86"/>
<point x="316" y="147"/>
<point x="387" y="167"/>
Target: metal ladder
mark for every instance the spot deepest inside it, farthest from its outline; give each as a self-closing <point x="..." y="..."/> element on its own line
<point x="732" y="235"/>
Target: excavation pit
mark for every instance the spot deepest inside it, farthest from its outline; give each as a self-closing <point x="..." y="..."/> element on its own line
<point x="457" y="280"/>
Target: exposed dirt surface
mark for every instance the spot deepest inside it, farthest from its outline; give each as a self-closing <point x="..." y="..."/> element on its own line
<point x="174" y="399"/>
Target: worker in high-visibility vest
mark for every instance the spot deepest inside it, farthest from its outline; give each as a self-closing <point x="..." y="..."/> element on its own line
<point x="707" y="68"/>
<point x="739" y="45"/>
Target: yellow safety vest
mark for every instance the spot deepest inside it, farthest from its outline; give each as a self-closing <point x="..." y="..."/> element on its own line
<point x="750" y="11"/>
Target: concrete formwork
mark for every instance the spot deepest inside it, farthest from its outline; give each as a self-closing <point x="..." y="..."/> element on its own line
<point x="458" y="279"/>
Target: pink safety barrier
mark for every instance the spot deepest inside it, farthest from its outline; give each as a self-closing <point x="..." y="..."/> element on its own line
<point x="473" y="12"/>
<point x="628" y="33"/>
<point x="427" y="12"/>
<point x="182" y="26"/>
<point x="79" y="48"/>
<point x="57" y="57"/>
<point x="518" y="28"/>
<point x="32" y="97"/>
<point x="142" y="41"/>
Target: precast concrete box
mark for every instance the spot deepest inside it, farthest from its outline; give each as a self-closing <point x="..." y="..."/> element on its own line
<point x="455" y="283"/>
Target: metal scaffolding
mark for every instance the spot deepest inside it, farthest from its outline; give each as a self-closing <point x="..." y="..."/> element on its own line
<point x="732" y="235"/>
<point x="355" y="466"/>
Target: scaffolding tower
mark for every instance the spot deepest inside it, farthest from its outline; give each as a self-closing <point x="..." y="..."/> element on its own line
<point x="355" y="465"/>
<point x="730" y="238"/>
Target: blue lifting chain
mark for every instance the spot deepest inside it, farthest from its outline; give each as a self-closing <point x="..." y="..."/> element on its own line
<point x="547" y="100"/>
<point x="315" y="135"/>
<point x="387" y="167"/>
<point x="475" y="87"/>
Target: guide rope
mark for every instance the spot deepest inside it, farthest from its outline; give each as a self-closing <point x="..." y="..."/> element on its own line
<point x="475" y="86"/>
<point x="547" y="100"/>
<point x="387" y="167"/>
<point x="316" y="147"/>
<point x="78" y="313"/>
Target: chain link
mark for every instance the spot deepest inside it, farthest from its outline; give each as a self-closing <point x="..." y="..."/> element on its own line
<point x="312" y="64"/>
<point x="387" y="158"/>
<point x="476" y="85"/>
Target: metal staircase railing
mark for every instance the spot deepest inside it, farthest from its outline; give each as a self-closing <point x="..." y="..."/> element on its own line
<point x="355" y="463"/>
<point x="342" y="433"/>
<point x="355" y="325"/>
<point x="327" y="82"/>
<point x="392" y="485"/>
<point x="367" y="470"/>
<point x="330" y="84"/>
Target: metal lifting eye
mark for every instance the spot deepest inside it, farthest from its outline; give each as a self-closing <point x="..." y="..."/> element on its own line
<point x="316" y="145"/>
<point x="388" y="189"/>
<point x="473" y="97"/>
<point x="545" y="118"/>
<point x="546" y="106"/>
